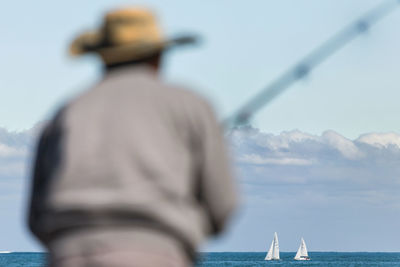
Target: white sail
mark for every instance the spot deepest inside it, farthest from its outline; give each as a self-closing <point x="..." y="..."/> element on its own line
<point x="302" y="253"/>
<point x="273" y="252"/>
<point x="269" y="254"/>
<point x="275" y="255"/>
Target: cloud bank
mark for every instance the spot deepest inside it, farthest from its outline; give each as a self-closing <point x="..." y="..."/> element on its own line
<point x="330" y="188"/>
<point x="328" y="165"/>
<point x="367" y="164"/>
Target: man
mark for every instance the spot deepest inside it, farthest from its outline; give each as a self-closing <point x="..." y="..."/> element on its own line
<point x="132" y="172"/>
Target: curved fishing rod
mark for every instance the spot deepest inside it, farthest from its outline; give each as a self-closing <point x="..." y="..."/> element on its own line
<point x="309" y="62"/>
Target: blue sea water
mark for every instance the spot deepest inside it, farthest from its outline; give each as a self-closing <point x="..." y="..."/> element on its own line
<point x="245" y="259"/>
<point x="334" y="259"/>
<point x="23" y="259"/>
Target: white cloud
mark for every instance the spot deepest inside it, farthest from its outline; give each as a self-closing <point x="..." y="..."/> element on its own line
<point x="296" y="136"/>
<point x="328" y="163"/>
<point x="259" y="160"/>
<point x="9" y="151"/>
<point x="342" y="144"/>
<point x="15" y="151"/>
<point x="380" y="139"/>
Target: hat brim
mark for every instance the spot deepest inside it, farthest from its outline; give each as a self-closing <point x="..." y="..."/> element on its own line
<point x="91" y="42"/>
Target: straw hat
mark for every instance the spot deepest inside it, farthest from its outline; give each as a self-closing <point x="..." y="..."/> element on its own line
<point x="126" y="34"/>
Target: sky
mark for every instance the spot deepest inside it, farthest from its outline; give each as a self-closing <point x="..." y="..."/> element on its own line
<point x="319" y="161"/>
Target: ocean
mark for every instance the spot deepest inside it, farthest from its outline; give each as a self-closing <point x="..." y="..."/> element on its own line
<point x="248" y="259"/>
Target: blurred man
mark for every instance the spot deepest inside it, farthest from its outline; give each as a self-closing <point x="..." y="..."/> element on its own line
<point x="132" y="172"/>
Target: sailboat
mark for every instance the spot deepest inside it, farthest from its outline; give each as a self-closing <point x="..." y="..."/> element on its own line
<point x="302" y="254"/>
<point x="273" y="252"/>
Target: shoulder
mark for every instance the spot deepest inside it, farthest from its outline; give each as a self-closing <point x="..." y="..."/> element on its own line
<point x="199" y="112"/>
<point x="193" y="100"/>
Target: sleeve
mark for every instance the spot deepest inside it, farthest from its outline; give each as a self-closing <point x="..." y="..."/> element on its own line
<point x="36" y="205"/>
<point x="46" y="162"/>
<point x="217" y="188"/>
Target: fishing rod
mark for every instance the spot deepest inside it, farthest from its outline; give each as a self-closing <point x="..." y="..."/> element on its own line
<point x="309" y="62"/>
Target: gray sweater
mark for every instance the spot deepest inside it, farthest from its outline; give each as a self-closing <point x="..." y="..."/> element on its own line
<point x="131" y="152"/>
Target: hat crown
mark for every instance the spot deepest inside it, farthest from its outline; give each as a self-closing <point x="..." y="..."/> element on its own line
<point x="130" y="26"/>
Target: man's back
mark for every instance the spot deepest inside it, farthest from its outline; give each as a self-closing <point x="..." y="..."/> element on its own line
<point x="133" y="152"/>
